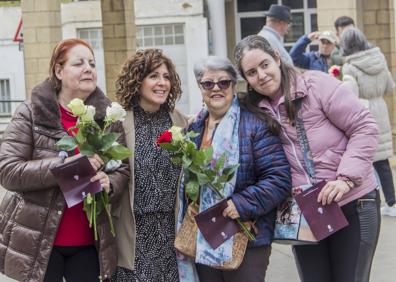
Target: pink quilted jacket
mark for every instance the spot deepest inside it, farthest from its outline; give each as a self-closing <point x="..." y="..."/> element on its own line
<point x="341" y="132"/>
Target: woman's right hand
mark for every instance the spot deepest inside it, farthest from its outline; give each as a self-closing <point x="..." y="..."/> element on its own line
<point x="94" y="160"/>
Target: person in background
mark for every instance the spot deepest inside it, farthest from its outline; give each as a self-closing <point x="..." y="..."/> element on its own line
<point x="148" y="88"/>
<point x="275" y="28"/>
<point x="340" y="24"/>
<point x="314" y="60"/>
<point x="41" y="238"/>
<point x="342" y="138"/>
<point x="262" y="181"/>
<point x="367" y="67"/>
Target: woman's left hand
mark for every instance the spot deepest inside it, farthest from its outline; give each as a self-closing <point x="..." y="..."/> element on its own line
<point x="333" y="191"/>
<point x="103" y="180"/>
<point x="231" y="210"/>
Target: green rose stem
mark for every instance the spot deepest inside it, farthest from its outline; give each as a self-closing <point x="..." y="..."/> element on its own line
<point x="106" y="207"/>
<point x="245" y="230"/>
<point x="94" y="218"/>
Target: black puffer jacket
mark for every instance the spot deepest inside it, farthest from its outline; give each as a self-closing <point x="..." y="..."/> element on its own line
<point x="31" y="210"/>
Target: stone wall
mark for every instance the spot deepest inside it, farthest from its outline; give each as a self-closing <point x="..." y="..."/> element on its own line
<point x="41" y="32"/>
<point x="119" y="39"/>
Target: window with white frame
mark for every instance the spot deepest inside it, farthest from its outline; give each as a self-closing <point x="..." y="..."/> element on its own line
<point x="250" y="17"/>
<point x="5" y="97"/>
<point x="92" y="35"/>
<point x="157" y="35"/>
<point x="170" y="38"/>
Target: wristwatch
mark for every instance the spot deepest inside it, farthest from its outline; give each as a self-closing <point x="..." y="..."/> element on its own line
<point x="349" y="182"/>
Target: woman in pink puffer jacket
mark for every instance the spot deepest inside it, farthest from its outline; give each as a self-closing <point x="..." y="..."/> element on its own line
<point x="342" y="136"/>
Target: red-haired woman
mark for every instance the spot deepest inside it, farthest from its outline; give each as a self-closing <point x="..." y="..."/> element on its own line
<point x="40" y="238"/>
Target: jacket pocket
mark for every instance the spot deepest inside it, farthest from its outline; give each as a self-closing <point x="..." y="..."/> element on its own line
<point x="8" y="207"/>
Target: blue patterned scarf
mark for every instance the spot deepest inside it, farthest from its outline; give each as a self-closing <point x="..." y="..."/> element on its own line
<point x="225" y="141"/>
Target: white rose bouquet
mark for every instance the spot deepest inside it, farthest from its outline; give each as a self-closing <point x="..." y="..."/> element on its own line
<point x="91" y="139"/>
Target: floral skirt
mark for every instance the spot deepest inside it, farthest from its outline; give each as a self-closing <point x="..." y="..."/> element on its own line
<point x="155" y="259"/>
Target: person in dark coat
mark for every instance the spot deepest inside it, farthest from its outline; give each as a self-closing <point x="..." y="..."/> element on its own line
<point x="41" y="239"/>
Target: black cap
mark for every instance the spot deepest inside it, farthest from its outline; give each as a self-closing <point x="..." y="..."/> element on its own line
<point x="279" y="12"/>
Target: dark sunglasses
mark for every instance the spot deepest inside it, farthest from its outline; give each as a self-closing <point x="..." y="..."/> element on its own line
<point x="222" y="84"/>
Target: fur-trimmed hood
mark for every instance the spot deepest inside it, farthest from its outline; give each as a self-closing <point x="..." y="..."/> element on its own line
<point x="45" y="107"/>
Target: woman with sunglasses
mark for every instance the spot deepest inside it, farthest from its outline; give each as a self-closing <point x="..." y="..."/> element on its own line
<point x="262" y="180"/>
<point x="148" y="87"/>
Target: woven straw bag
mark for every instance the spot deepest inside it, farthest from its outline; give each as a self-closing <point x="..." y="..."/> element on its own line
<point x="186" y="238"/>
<point x="186" y="241"/>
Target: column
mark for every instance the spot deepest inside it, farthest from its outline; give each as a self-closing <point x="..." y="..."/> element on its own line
<point x="41" y="32"/>
<point x="119" y="39"/>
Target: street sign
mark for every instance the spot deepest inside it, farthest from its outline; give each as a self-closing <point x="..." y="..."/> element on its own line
<point x="18" y="37"/>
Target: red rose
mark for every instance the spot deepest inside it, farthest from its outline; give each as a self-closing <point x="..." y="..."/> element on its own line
<point x="165" y="137"/>
<point x="336" y="71"/>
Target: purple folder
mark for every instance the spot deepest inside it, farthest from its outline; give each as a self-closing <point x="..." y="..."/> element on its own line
<point x="322" y="220"/>
<point x="216" y="228"/>
<point x="74" y="180"/>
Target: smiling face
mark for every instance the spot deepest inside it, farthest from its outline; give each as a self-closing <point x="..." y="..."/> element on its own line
<point x="217" y="99"/>
<point x="78" y="73"/>
<point x="155" y="89"/>
<point x="262" y="72"/>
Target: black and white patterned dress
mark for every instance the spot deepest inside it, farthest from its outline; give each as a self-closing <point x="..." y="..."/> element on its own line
<point x="156" y="180"/>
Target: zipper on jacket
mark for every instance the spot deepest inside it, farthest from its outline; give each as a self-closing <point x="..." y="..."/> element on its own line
<point x="277" y="115"/>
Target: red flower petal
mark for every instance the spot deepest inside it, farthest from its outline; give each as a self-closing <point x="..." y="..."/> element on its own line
<point x="165" y="137"/>
<point x="336" y="72"/>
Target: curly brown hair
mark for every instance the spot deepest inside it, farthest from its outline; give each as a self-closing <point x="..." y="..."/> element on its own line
<point x="136" y="69"/>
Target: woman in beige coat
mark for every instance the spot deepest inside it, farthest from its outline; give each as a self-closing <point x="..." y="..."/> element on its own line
<point x="367" y="70"/>
<point x="148" y="87"/>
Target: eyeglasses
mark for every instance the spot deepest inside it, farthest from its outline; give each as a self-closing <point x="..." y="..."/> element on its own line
<point x="222" y="84"/>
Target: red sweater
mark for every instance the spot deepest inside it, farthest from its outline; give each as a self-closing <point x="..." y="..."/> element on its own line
<point x="74" y="226"/>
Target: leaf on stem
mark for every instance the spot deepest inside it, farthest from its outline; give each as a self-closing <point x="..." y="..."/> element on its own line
<point x="87" y="149"/>
<point x="199" y="158"/>
<point x="67" y="143"/>
<point x="186" y="161"/>
<point x="119" y="152"/>
<point x="191" y="134"/>
<point x="192" y="190"/>
<point x="209" y="153"/>
<point x="229" y="171"/>
<point x="203" y="179"/>
<point x="169" y="147"/>
<point x="220" y="163"/>
<point x="108" y="140"/>
<point x="190" y="148"/>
